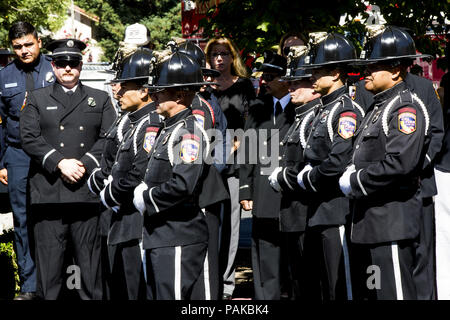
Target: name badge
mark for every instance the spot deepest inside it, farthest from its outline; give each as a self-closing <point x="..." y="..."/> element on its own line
<point x="10" y="85"/>
<point x="52" y="107"/>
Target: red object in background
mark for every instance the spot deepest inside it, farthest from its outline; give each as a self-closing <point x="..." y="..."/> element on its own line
<point x="190" y="19"/>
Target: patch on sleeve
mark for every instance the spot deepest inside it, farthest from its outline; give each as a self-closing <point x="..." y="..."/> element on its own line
<point x="347" y="125"/>
<point x="190" y="148"/>
<point x="407" y="120"/>
<point x="200" y="116"/>
<point x="149" y="139"/>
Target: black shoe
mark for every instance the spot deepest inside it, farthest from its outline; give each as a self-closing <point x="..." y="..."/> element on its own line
<point x="226" y="296"/>
<point x="26" y="296"/>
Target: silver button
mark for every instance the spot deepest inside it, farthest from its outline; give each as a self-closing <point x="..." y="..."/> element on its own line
<point x="365" y="127"/>
<point x="81" y="128"/>
<point x="61" y="128"/>
<point x="262" y="158"/>
<point x="308" y="146"/>
<point x="265" y="143"/>
<point x="262" y="172"/>
<point x="357" y="147"/>
<point x="61" y="144"/>
<point x="279" y="158"/>
<point x="281" y="143"/>
<point x="82" y="145"/>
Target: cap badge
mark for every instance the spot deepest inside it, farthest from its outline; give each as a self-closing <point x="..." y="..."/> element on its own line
<point x="70" y="43"/>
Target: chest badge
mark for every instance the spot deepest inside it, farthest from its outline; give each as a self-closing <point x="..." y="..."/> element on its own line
<point x="166" y="138"/>
<point x="91" y="102"/>
<point x="324" y="116"/>
<point x="49" y="77"/>
<point x="377" y="115"/>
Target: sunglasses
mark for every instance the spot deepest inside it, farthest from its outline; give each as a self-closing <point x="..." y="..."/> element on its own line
<point x="222" y="54"/>
<point x="268" y="77"/>
<point x="64" y="63"/>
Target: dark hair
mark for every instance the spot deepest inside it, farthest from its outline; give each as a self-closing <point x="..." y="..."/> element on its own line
<point x="20" y="29"/>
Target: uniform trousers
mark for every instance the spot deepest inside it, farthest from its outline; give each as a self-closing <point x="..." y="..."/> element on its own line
<point x="327" y="263"/>
<point x="17" y="163"/>
<point x="177" y="273"/>
<point x="212" y="214"/>
<point x="56" y="228"/>
<point x="384" y="271"/>
<point x="266" y="258"/>
<point x="442" y="222"/>
<point x="294" y="247"/>
<point x="424" y="271"/>
<point x="127" y="274"/>
<point x="231" y="221"/>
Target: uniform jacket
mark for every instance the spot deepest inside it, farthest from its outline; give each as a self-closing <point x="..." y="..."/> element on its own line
<point x="12" y="96"/>
<point x="328" y="150"/>
<point x="253" y="182"/>
<point x="128" y="172"/>
<point x="425" y="91"/>
<point x="54" y="126"/>
<point x="174" y="173"/>
<point x="390" y="150"/>
<point x="294" y="202"/>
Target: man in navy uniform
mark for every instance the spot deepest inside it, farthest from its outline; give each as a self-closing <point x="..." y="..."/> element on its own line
<point x="63" y="128"/>
<point x="30" y="70"/>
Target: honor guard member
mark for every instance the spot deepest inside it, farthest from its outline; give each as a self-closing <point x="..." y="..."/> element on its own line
<point x="206" y="109"/>
<point x="384" y="178"/>
<point x="326" y="154"/>
<point x="175" y="230"/>
<point x="30" y="70"/>
<point x="62" y="129"/>
<point x="293" y="210"/>
<point x="270" y="118"/>
<point x="125" y="234"/>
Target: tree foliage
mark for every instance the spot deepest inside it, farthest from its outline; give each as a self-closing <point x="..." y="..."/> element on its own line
<point x="256" y="25"/>
<point x="44" y="14"/>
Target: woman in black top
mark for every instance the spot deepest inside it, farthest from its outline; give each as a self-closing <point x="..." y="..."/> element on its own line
<point x="234" y="92"/>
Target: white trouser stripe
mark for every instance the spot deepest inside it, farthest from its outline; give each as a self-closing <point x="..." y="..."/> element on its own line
<point x="144" y="262"/>
<point x="348" y="279"/>
<point x="177" y="286"/>
<point x="206" y="276"/>
<point x="397" y="273"/>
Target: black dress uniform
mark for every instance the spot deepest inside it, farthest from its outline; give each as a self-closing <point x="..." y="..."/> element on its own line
<point x="175" y="228"/>
<point x="125" y="232"/>
<point x="387" y="208"/>
<point x="96" y="183"/>
<point x="328" y="150"/>
<point x="254" y="185"/>
<point x="55" y="126"/>
<point x="293" y="211"/>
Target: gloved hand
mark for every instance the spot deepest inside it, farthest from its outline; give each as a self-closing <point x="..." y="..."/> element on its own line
<point x="109" y="180"/>
<point x="138" y="199"/>
<point x="344" y="180"/>
<point x="273" y="181"/>
<point x="300" y="175"/>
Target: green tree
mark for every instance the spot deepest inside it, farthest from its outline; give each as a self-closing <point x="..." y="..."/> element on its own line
<point x="256" y="25"/>
<point x="43" y="14"/>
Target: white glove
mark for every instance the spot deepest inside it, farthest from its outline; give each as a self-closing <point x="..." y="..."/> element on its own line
<point x="138" y="199"/>
<point x="344" y="180"/>
<point x="109" y="180"/>
<point x="300" y="175"/>
<point x="273" y="181"/>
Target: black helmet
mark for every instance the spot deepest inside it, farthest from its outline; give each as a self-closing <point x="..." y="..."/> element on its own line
<point x="294" y="70"/>
<point x="179" y="70"/>
<point x="273" y="63"/>
<point x="334" y="50"/>
<point x="190" y="48"/>
<point x="391" y="44"/>
<point x="135" y="67"/>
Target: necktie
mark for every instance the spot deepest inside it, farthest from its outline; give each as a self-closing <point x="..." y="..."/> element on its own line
<point x="69" y="93"/>
<point x="29" y="81"/>
<point x="278" y="109"/>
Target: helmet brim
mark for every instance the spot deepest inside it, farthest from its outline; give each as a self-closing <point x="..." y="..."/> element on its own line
<point x="129" y="79"/>
<point x="327" y="64"/>
<point x="179" y="85"/>
<point x="363" y="62"/>
<point x="211" y="73"/>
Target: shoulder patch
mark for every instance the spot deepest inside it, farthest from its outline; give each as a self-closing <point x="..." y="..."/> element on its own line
<point x="200" y="116"/>
<point x="347" y="124"/>
<point x="407" y="120"/>
<point x="150" y="137"/>
<point x="190" y="148"/>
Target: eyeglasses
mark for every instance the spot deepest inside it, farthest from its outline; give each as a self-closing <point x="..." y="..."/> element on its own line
<point x="268" y="77"/>
<point x="64" y="63"/>
<point x="222" y="54"/>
